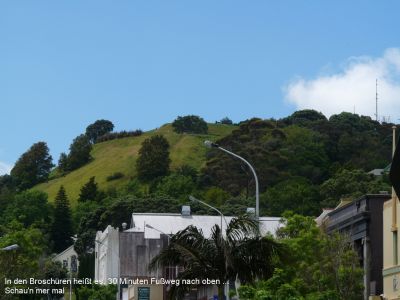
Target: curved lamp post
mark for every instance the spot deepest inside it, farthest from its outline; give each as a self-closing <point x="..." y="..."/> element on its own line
<point x="210" y="144"/>
<point x="193" y="199"/>
<point x="119" y="265"/>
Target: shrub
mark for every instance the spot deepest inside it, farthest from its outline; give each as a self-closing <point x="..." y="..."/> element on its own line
<point x="115" y="176"/>
<point x="118" y="135"/>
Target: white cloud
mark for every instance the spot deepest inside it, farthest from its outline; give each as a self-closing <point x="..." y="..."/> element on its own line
<point x="5" y="168"/>
<point x="353" y="87"/>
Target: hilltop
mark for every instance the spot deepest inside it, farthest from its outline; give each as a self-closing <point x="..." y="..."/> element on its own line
<point x="120" y="155"/>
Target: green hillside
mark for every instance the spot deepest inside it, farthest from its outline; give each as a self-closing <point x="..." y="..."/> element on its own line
<point x="120" y="155"/>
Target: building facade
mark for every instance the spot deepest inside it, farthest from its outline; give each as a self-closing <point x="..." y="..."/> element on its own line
<point x="127" y="254"/>
<point x="362" y="221"/>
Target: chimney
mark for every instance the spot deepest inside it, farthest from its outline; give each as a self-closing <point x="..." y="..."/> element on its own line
<point x="185" y="211"/>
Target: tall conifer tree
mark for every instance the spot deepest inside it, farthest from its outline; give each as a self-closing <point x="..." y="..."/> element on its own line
<point x="61" y="230"/>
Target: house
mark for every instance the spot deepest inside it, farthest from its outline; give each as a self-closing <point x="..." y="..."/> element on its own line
<point x="127" y="254"/>
<point x="69" y="259"/>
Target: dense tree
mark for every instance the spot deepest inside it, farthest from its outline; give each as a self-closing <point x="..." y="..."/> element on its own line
<point x="190" y="124"/>
<point x="98" y="292"/>
<point x="79" y="152"/>
<point x="23" y="262"/>
<point x="176" y="186"/>
<point x="153" y="159"/>
<point x="226" y="121"/>
<point x="239" y="254"/>
<point x="259" y="142"/>
<point x="187" y="170"/>
<point x="33" y="166"/>
<point x="89" y="191"/>
<point x="349" y="184"/>
<point x="61" y="230"/>
<point x="297" y="194"/>
<point x="63" y="163"/>
<point x="321" y="266"/>
<point x="98" y="128"/>
<point x="29" y="208"/>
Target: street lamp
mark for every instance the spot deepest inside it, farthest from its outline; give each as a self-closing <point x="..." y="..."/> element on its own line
<point x="10" y="248"/>
<point x="193" y="199"/>
<point x="119" y="263"/>
<point x="210" y="144"/>
<point x="169" y="241"/>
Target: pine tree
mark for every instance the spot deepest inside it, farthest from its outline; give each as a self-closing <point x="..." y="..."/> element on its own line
<point x="89" y="191"/>
<point x="61" y="231"/>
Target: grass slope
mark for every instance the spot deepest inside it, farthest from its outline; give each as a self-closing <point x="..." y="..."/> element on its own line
<point x="120" y="156"/>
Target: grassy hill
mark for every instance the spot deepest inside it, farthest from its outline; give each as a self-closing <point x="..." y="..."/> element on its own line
<point x="120" y="156"/>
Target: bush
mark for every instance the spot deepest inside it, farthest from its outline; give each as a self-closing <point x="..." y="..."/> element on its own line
<point x="115" y="176"/>
<point x="118" y="135"/>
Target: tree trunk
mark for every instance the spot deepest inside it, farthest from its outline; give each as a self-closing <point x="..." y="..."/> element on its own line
<point x="221" y="292"/>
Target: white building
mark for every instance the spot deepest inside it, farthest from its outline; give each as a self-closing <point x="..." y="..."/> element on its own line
<point x="68" y="258"/>
<point x="127" y="254"/>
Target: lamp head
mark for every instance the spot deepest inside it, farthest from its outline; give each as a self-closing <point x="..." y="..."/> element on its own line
<point x="149" y="226"/>
<point x="210" y="144"/>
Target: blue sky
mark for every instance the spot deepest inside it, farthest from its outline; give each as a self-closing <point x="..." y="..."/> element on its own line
<point x="64" y="64"/>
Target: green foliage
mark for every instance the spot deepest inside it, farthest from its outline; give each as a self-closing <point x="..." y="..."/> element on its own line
<point x="81" y="210"/>
<point x="89" y="191"/>
<point x="118" y="135"/>
<point x="306" y="154"/>
<point x="61" y="229"/>
<point x="98" y="128"/>
<point x="216" y="196"/>
<point x="24" y="261"/>
<point x="63" y="163"/>
<point x="350" y="184"/>
<point x="153" y="160"/>
<point x="187" y="170"/>
<point x="176" y="186"/>
<point x="55" y="270"/>
<point x="79" y="152"/>
<point x="190" y="124"/>
<point x="33" y="166"/>
<point x="322" y="267"/>
<point x="320" y="262"/>
<point x="28" y="208"/>
<point x="259" y="142"/>
<point x="297" y="194"/>
<point x="98" y="292"/>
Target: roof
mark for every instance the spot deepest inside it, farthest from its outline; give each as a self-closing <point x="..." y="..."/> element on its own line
<point x="172" y="223"/>
<point x="376" y="172"/>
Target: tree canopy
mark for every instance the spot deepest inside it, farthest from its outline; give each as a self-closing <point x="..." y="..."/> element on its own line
<point x="61" y="229"/>
<point x="98" y="128"/>
<point x="153" y="159"/>
<point x="33" y="166"/>
<point x="190" y="124"/>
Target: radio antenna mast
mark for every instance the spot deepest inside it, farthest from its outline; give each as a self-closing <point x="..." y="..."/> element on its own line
<point x="376" y="100"/>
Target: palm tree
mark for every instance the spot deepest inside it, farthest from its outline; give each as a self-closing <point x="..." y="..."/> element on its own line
<point x="239" y="254"/>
